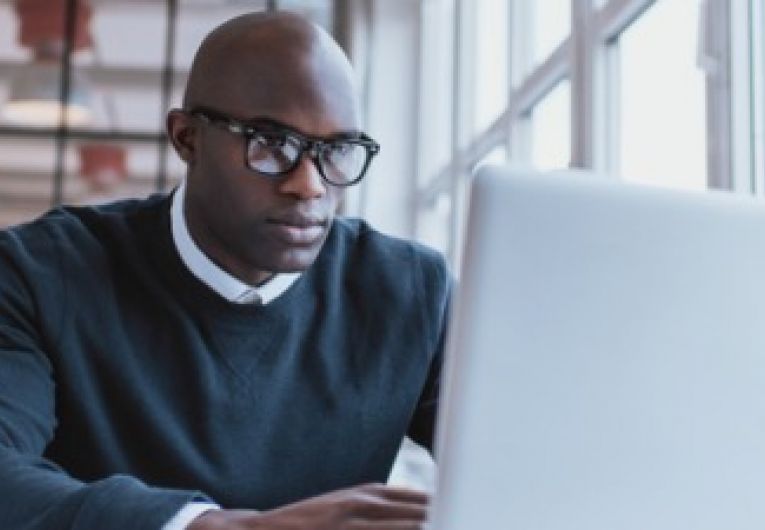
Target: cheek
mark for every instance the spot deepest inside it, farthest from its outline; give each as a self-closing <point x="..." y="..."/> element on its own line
<point x="245" y="201"/>
<point x="224" y="182"/>
<point x="218" y="161"/>
<point x="225" y="209"/>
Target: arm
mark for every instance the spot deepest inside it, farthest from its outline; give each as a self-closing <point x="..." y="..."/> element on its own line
<point x="35" y="493"/>
<point x="436" y="286"/>
<point x="367" y="507"/>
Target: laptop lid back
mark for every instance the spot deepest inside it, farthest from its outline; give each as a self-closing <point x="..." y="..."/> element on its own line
<point x="606" y="362"/>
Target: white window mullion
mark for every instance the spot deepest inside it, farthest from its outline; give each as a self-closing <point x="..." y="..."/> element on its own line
<point x="612" y="19"/>
<point x="539" y="82"/>
<point x="582" y="75"/>
<point x="462" y="87"/>
<point x="605" y="26"/>
<point x="521" y="99"/>
<point x="606" y="101"/>
<point x="715" y="48"/>
<point x="519" y="40"/>
<point x="742" y="178"/>
<point x="495" y="135"/>
<point x="516" y="63"/>
<point x="532" y="90"/>
<point x="757" y="26"/>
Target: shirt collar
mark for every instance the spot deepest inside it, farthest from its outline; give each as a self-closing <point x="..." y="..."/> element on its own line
<point x="220" y="281"/>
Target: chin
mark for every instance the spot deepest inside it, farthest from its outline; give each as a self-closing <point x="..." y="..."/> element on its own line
<point x="294" y="260"/>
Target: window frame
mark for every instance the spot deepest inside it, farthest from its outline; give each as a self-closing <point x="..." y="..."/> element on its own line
<point x="589" y="58"/>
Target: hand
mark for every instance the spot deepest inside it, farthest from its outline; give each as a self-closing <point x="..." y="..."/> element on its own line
<point x="367" y="507"/>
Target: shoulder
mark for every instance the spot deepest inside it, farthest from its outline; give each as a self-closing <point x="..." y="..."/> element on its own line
<point x="392" y="267"/>
<point x="363" y="238"/>
<point x="72" y="234"/>
<point x="118" y="215"/>
<point x="399" y="287"/>
<point x="356" y="241"/>
<point x="77" y="226"/>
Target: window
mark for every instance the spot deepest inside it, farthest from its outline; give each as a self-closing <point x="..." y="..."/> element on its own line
<point x="757" y="44"/>
<point x="551" y="129"/>
<point x="433" y="223"/>
<point x="662" y="107"/>
<point x="551" y="25"/>
<point x="490" y="78"/>
<point x="436" y="102"/>
<point x="498" y="155"/>
<point x="645" y="90"/>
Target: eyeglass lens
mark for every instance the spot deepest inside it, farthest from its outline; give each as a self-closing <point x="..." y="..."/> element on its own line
<point x="275" y="153"/>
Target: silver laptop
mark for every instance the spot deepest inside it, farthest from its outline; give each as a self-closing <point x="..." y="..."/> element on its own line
<point x="606" y="364"/>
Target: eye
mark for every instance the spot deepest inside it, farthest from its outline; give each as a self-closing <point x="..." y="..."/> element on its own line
<point x="339" y="149"/>
<point x="270" y="140"/>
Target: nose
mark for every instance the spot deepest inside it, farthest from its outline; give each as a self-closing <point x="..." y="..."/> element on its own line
<point x="304" y="182"/>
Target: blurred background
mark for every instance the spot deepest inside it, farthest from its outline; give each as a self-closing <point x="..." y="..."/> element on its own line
<point x="659" y="92"/>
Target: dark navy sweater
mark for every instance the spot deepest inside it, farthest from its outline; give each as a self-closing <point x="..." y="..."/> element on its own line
<point x="128" y="387"/>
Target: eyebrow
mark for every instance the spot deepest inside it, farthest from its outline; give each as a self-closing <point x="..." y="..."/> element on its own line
<point x="261" y="121"/>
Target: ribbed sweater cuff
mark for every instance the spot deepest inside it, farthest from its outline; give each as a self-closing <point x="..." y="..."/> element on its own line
<point x="125" y="503"/>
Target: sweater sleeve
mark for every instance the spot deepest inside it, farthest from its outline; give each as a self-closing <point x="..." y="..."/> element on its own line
<point x="35" y="493"/>
<point x="435" y="296"/>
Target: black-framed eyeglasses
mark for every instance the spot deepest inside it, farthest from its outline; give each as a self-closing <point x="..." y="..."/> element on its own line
<point x="274" y="149"/>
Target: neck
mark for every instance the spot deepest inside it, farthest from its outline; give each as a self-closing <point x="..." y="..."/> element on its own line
<point x="213" y="248"/>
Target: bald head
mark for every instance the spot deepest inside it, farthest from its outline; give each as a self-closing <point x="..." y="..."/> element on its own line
<point x="264" y="63"/>
<point x="280" y="67"/>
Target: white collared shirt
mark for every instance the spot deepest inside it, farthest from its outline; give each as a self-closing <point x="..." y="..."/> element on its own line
<point x="220" y="281"/>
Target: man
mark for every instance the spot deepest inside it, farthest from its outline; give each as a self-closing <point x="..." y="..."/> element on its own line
<point x="230" y="346"/>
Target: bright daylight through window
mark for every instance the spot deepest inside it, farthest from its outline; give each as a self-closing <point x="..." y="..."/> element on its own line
<point x="662" y="105"/>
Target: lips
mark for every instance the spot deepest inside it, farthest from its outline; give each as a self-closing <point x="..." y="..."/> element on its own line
<point x="298" y="230"/>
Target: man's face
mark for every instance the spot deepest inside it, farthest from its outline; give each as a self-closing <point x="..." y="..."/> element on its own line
<point x="248" y="223"/>
<point x="245" y="220"/>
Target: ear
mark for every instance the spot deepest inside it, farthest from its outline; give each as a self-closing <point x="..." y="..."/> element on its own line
<point x="182" y="134"/>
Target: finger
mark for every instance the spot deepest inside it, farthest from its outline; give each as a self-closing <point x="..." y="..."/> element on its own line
<point x="377" y="509"/>
<point x="383" y="525"/>
<point x="397" y="493"/>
